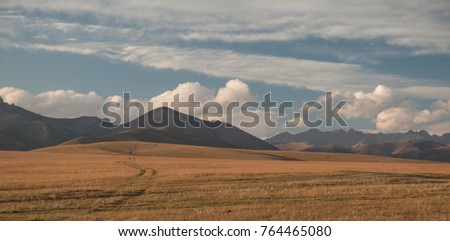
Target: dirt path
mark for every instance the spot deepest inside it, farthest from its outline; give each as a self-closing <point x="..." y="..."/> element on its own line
<point x="135" y="186"/>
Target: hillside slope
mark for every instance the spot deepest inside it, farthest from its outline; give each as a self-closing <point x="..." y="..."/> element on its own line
<point x="21" y="129"/>
<point x="176" y="130"/>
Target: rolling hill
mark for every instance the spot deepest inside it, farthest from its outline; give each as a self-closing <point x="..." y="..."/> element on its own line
<point x="153" y="149"/>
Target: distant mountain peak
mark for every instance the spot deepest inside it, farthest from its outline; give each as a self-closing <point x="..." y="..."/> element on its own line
<point x="424" y="132"/>
<point x="411" y="132"/>
<point x="351" y="137"/>
<point x="411" y="144"/>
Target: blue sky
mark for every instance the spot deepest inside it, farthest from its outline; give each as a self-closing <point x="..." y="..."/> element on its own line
<point x="390" y="60"/>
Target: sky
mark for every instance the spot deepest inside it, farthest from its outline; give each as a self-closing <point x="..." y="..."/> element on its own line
<point x="389" y="59"/>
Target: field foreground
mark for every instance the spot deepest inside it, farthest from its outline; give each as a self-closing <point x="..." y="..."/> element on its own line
<point x="149" y="181"/>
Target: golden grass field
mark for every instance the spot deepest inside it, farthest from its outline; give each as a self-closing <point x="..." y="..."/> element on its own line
<point x="149" y="181"/>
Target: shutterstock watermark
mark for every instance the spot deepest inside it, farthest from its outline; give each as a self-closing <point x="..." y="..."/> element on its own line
<point x="312" y="114"/>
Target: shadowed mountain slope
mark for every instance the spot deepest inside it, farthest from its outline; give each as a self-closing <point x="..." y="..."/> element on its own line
<point x="21" y="129"/>
<point x="166" y="125"/>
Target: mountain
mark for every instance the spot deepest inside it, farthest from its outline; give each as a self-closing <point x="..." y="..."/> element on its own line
<point x="352" y="138"/>
<point x="330" y="148"/>
<point x="417" y="149"/>
<point x="21" y="129"/>
<point x="175" y="130"/>
<point x="411" y="145"/>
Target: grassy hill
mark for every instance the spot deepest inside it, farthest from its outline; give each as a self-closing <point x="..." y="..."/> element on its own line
<point x="135" y="148"/>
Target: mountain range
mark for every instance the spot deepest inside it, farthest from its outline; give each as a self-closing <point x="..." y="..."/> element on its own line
<point x="352" y="137"/>
<point x="412" y="144"/>
<point x="21" y="129"/>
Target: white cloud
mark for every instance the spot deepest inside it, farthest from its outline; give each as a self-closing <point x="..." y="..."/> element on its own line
<point x="201" y="94"/>
<point x="234" y="90"/>
<point x="391" y="111"/>
<point x="58" y="103"/>
<point x="314" y="75"/>
<point x="147" y="33"/>
<point x="422" y="26"/>
<point x="86" y="50"/>
<point x="140" y="32"/>
<point x="440" y="110"/>
<point x="436" y="118"/>
<point x="394" y="120"/>
<point x="416" y="24"/>
<point x="367" y="105"/>
<point x="17" y="96"/>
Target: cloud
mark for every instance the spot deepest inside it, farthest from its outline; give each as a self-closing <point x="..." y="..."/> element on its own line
<point x="140" y="32"/>
<point x="394" y="119"/>
<point x="299" y="73"/>
<point x="234" y="90"/>
<point x="392" y="111"/>
<point x="58" y="103"/>
<point x="17" y="96"/>
<point x="155" y="34"/>
<point x="421" y="26"/>
<point x="435" y="118"/>
<point x="440" y="110"/>
<point x="367" y="105"/>
<point x="201" y="94"/>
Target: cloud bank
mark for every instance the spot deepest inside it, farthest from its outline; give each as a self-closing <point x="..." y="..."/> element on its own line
<point x="392" y="113"/>
<point x="299" y="73"/>
<point x="421" y="26"/>
<point x="58" y="103"/>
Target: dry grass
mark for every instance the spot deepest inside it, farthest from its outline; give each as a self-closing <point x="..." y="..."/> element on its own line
<point x="145" y="181"/>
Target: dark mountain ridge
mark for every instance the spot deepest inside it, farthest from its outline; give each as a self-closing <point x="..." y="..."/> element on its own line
<point x="411" y="145"/>
<point x="21" y="129"/>
<point x="353" y="138"/>
<point x="416" y="149"/>
<point x="170" y="126"/>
